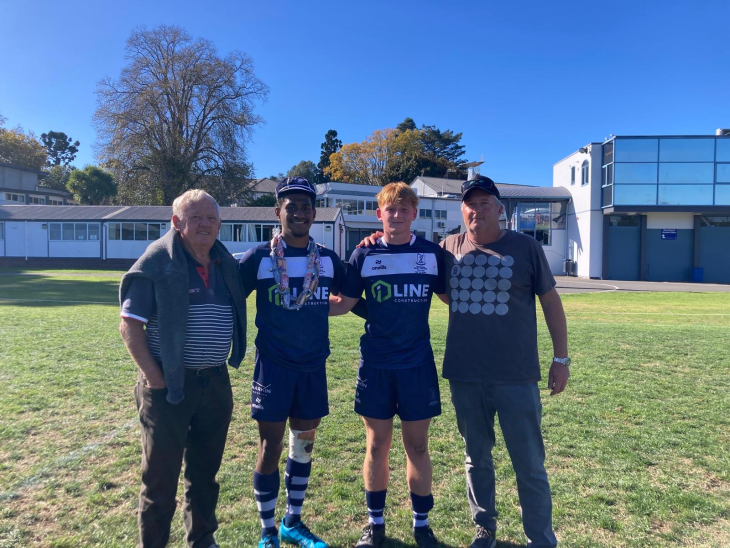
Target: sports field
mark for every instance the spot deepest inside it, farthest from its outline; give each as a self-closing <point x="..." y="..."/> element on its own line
<point x="638" y="447"/>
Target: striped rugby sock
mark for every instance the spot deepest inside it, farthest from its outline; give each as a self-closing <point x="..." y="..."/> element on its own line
<point x="376" y="507"/>
<point x="266" y="490"/>
<point x="296" y="480"/>
<point x="421" y="506"/>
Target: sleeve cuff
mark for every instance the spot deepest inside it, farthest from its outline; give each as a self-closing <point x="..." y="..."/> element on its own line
<point x="133" y="317"/>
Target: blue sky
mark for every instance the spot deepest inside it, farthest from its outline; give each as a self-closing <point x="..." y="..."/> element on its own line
<point x="525" y="82"/>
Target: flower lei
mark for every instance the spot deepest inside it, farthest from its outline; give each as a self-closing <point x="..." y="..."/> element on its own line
<point x="278" y="267"/>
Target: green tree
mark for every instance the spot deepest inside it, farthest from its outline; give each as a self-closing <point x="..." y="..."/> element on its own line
<point x="20" y="148"/>
<point x="330" y="145"/>
<point x="92" y="186"/>
<point x="265" y="200"/>
<point x="177" y="118"/>
<point x="57" y="177"/>
<point x="305" y="169"/>
<point x="61" y="148"/>
<point x="277" y="177"/>
<point x="405" y="125"/>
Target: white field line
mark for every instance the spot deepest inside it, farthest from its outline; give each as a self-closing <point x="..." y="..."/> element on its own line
<point x="47" y="470"/>
<point x="3" y="299"/>
<point x="656" y="314"/>
<point x="612" y="287"/>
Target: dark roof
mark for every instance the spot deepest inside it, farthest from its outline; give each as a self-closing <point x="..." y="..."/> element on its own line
<point x="453" y="186"/>
<point x="264" y="185"/>
<point x="141" y="213"/>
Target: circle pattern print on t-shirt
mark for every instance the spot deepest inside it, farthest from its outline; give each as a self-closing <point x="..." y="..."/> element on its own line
<point x="480" y="284"/>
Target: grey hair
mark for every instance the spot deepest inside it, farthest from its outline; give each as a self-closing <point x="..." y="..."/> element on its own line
<point x="194" y="195"/>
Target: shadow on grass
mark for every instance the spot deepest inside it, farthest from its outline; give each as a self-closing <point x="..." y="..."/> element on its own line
<point x="395" y="543"/>
<point x="38" y="291"/>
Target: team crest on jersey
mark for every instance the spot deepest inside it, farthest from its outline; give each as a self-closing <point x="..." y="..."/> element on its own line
<point x="420" y="266"/>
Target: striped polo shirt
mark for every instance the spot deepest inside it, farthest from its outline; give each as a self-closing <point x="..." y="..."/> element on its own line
<point x="210" y="315"/>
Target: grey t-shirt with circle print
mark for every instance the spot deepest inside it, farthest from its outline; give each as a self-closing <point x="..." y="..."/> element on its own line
<point x="492" y="335"/>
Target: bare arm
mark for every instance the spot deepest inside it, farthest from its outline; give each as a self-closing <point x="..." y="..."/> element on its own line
<point x="340" y="304"/>
<point x="552" y="308"/>
<point x="136" y="342"/>
<point x="444" y="297"/>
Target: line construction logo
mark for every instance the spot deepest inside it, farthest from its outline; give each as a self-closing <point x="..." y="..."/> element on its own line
<point x="381" y="291"/>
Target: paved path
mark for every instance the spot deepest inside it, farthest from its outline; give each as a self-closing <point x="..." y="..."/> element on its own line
<point x="567" y="284"/>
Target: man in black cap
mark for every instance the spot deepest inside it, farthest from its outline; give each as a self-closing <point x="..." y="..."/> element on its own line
<point x="493" y="276"/>
<point x="293" y="278"/>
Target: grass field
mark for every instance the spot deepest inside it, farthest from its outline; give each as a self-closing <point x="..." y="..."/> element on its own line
<point x="638" y="447"/>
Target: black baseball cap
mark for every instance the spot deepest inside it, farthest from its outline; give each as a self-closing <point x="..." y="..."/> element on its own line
<point x="480" y="182"/>
<point x="298" y="184"/>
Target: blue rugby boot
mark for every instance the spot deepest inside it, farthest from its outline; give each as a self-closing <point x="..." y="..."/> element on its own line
<point x="300" y="535"/>
<point x="269" y="541"/>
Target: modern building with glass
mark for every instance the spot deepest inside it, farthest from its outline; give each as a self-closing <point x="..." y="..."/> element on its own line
<point x="653" y="208"/>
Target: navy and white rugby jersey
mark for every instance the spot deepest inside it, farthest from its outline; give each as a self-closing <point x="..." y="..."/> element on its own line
<point x="210" y="315"/>
<point x="399" y="281"/>
<point x="297" y="339"/>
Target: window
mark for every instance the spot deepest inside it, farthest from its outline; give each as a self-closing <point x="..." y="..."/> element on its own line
<point x="685" y="194"/>
<point x="535" y="220"/>
<point x="370" y="207"/>
<point x="73" y="232"/>
<point x="133" y="231"/>
<point x="584" y="169"/>
<point x="2" y="231"/>
<point x="572" y="175"/>
<point x="635" y="174"/>
<point x="693" y="174"/>
<point x="440" y="214"/>
<point x="624" y="220"/>
<point x="424" y="213"/>
<point x="53" y="201"/>
<point x="11" y="197"/>
<point x="687" y="150"/>
<point x="319" y="202"/>
<point x="607" y="175"/>
<point x="723" y="149"/>
<point x="636" y="150"/>
<point x="558" y="215"/>
<point x="352" y="207"/>
<point x="39" y="200"/>
<point x="705" y="220"/>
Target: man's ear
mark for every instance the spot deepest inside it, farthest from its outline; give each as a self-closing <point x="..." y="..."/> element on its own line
<point x="175" y="222"/>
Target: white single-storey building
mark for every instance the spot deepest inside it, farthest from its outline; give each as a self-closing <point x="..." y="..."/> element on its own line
<point x="115" y="236"/>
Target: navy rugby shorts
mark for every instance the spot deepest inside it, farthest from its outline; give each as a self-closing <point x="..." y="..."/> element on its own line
<point x="412" y="394"/>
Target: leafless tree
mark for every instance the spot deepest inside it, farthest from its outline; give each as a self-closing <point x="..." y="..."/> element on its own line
<point x="178" y="117"/>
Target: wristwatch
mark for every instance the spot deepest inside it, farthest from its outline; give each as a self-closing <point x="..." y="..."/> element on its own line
<point x="565" y="361"/>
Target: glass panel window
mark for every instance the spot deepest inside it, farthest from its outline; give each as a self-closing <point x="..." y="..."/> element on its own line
<point x="140" y="232"/>
<point x="685" y="194"/>
<point x="723" y="173"/>
<point x="320" y="202"/>
<point x="607" y="175"/>
<point x="714" y="220"/>
<point x="687" y="150"/>
<point x="558" y="214"/>
<point x="440" y="214"/>
<point x="36" y="200"/>
<point x="153" y="231"/>
<point x="127" y="231"/>
<point x="55" y="231"/>
<point x="584" y="172"/>
<point x="68" y="231"/>
<point x="80" y="229"/>
<point x="723" y="149"/>
<point x="266" y="232"/>
<point x="12" y="197"/>
<point x="115" y="231"/>
<point x="608" y="153"/>
<point x="635" y="174"/>
<point x="692" y="174"/>
<point x="572" y="175"/>
<point x="722" y="194"/>
<point x="2" y="231"/>
<point x="634" y="194"/>
<point x="226" y="233"/>
<point x="542" y="223"/>
<point x="624" y="220"/>
<point x="94" y="232"/>
<point x="352" y="207"/>
<point x="607" y="196"/>
<point x="51" y="201"/>
<point x="251" y="233"/>
<point x="636" y="150"/>
<point x="424" y="213"/>
<point x="370" y="207"/>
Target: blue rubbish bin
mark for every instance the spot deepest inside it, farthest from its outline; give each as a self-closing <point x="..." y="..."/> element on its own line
<point x="698" y="275"/>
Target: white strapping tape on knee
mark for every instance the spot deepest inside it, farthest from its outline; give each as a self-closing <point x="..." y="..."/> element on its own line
<point x="300" y="450"/>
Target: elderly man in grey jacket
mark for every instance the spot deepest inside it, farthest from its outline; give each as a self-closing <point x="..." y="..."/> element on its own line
<point x="183" y="317"/>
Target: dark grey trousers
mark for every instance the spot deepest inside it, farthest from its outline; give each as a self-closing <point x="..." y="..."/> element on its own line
<point x="194" y="432"/>
<point x="519" y="411"/>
